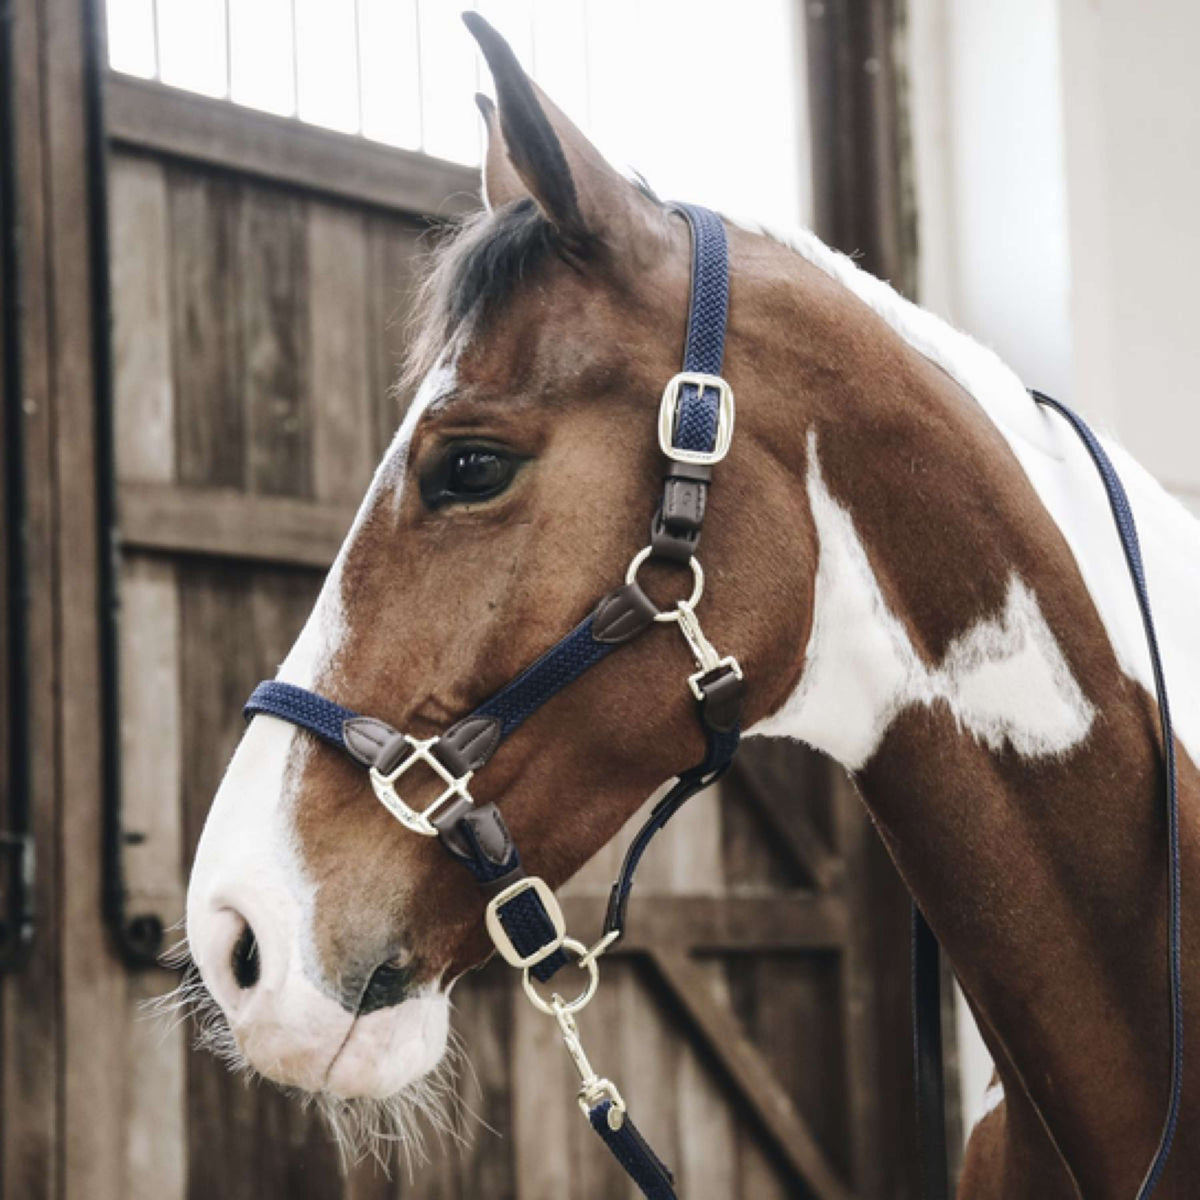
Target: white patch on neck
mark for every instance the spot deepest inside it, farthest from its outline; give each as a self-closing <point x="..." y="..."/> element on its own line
<point x="1005" y="679"/>
<point x="1062" y="474"/>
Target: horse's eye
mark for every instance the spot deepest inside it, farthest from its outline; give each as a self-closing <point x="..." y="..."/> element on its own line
<point x="478" y="472"/>
<point x="469" y="474"/>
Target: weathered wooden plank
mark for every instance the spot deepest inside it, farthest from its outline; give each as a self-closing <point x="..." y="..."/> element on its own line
<point x="272" y="317"/>
<point x="782" y="799"/>
<point x="340" y="400"/>
<point x="139" y="256"/>
<point x="708" y="1132"/>
<point x="166" y="121"/>
<point x="205" y="341"/>
<point x="395" y="260"/>
<point x="30" y="1040"/>
<point x="484" y="1005"/>
<point x="750" y="1072"/>
<point x="93" y="994"/>
<point x="150" y="715"/>
<point x="718" y="924"/>
<point x="541" y="1122"/>
<point x="224" y="523"/>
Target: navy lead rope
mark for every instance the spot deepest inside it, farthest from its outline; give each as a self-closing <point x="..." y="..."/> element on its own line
<point x="695" y="425"/>
<point x="926" y="992"/>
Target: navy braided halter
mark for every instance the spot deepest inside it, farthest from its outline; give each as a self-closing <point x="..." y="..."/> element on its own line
<point x="524" y="919"/>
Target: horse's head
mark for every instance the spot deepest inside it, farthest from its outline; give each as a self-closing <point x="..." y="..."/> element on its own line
<point x="519" y="486"/>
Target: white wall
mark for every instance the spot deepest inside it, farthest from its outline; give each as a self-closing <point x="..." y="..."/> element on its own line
<point x="1057" y="147"/>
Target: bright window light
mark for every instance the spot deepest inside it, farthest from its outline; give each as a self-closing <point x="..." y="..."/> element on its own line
<point x="262" y="52"/>
<point x="327" y="63"/>
<point x="639" y="76"/>
<point x="132" y="37"/>
<point x="192" y="39"/>
<point x="390" y="63"/>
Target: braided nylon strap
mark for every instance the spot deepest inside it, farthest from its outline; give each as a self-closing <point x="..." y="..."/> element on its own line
<point x="696" y="422"/>
<point x="300" y="707"/>
<point x="562" y="664"/>
<point x="633" y="1152"/>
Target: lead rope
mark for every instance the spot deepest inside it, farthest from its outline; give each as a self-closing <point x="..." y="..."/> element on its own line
<point x="926" y="973"/>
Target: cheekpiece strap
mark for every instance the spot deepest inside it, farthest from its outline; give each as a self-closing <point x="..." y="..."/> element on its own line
<point x="696" y="414"/>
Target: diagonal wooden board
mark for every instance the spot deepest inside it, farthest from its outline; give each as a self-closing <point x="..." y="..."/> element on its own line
<point x="749" y="1071"/>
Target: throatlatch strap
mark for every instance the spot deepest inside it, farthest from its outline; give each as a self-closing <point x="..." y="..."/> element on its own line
<point x="926" y="990"/>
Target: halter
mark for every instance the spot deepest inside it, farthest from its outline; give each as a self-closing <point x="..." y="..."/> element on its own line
<point x="523" y="918"/>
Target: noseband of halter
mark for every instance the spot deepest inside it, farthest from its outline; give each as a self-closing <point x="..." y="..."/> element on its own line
<point x="524" y="920"/>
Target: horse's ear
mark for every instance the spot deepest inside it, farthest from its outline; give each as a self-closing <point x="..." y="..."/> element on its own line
<point x="535" y="150"/>
<point x="501" y="183"/>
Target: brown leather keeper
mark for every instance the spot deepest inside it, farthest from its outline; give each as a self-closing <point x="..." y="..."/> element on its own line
<point x="722" y="704"/>
<point x="683" y="504"/>
<point x="365" y="739"/>
<point x="622" y="615"/>
<point x="467" y="745"/>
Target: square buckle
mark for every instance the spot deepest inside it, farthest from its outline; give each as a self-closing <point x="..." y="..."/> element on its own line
<point x="499" y="935"/>
<point x="668" y="417"/>
<point x="385" y="788"/>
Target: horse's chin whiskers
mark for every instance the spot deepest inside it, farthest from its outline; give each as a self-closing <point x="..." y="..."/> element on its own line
<point x="388" y="1130"/>
<point x="396" y="1126"/>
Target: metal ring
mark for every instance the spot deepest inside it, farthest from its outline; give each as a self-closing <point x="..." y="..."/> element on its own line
<point x="671" y="614"/>
<point x="583" y="999"/>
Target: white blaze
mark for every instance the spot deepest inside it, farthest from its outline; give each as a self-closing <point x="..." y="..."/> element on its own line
<point x="290" y="1024"/>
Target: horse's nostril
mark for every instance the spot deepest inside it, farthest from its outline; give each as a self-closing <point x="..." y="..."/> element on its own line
<point x="245" y="959"/>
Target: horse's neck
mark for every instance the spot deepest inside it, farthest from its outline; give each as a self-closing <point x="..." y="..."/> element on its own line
<point x="959" y="667"/>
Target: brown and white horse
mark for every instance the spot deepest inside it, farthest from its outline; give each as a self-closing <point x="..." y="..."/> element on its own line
<point x="915" y="567"/>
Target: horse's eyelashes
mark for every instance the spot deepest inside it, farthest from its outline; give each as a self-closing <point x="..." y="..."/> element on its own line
<point x="468" y="473"/>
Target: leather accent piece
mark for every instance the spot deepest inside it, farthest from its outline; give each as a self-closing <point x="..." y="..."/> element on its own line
<point x="393" y="754"/>
<point x="683" y="504"/>
<point x="365" y="737"/>
<point x="487" y="828"/>
<point x="498" y="885"/>
<point x="446" y="822"/>
<point x="669" y="546"/>
<point x="622" y="615"/>
<point x="467" y="745"/>
<point x="721" y="708"/>
<point x="698" y="472"/>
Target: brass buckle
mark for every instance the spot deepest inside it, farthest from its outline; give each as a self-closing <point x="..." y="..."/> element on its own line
<point x="410" y="818"/>
<point x="668" y="417"/>
<point x="499" y="935"/>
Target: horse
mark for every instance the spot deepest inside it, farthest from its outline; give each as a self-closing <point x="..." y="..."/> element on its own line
<point x="913" y="565"/>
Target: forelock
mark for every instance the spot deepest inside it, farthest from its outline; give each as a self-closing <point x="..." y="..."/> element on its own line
<point x="474" y="271"/>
